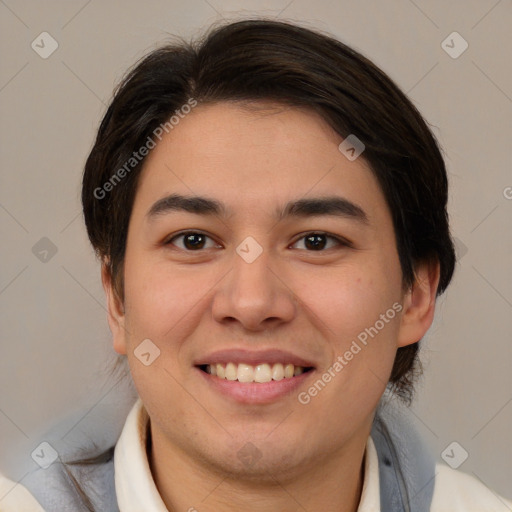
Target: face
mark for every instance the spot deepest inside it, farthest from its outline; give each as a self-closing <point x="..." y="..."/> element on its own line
<point x="275" y="322"/>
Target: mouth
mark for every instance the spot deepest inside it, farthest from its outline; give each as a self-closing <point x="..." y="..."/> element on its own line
<point x="248" y="377"/>
<point x="247" y="373"/>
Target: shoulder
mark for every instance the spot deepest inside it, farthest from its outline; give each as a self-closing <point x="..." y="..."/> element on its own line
<point x="69" y="488"/>
<point x="457" y="491"/>
<point x="14" y="497"/>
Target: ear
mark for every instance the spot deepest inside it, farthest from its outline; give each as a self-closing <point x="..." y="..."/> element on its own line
<point x="419" y="304"/>
<point x="115" y="310"/>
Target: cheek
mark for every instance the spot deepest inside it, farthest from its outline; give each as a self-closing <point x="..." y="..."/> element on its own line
<point x="161" y="300"/>
<point x="361" y="344"/>
<point x="359" y="313"/>
<point x="350" y="300"/>
<point x="164" y="307"/>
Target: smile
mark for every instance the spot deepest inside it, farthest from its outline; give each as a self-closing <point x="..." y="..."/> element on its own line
<point x="247" y="373"/>
<point x="251" y="377"/>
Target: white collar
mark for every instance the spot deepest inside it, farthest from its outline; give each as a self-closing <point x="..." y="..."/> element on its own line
<point x="136" y="489"/>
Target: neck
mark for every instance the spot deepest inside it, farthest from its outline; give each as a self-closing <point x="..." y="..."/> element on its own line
<point x="331" y="484"/>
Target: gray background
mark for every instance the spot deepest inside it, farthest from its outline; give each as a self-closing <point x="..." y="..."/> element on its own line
<point x="55" y="343"/>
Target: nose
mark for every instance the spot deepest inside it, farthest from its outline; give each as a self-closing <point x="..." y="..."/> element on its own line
<point x="254" y="295"/>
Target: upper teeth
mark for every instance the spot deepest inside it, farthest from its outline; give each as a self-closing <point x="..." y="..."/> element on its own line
<point x="259" y="373"/>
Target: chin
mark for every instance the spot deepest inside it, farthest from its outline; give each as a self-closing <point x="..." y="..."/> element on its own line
<point x="260" y="461"/>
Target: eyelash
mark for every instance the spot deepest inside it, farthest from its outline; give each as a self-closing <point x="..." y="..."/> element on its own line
<point x="340" y="241"/>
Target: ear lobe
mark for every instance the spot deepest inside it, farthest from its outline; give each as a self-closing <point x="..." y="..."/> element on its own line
<point x="419" y="304"/>
<point x="115" y="310"/>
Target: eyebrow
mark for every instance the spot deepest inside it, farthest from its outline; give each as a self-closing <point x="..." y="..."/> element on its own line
<point x="319" y="206"/>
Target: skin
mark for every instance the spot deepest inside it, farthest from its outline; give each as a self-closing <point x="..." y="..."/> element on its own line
<point x="312" y="303"/>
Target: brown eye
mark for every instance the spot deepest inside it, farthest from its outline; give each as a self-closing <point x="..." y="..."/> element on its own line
<point x="191" y="241"/>
<point x="315" y="242"/>
<point x="319" y="241"/>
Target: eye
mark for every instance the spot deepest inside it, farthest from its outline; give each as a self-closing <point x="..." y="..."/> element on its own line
<point x="192" y="241"/>
<point x="319" y="241"/>
<point x="314" y="241"/>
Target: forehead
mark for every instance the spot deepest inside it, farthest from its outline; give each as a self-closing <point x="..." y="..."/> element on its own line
<point x="253" y="157"/>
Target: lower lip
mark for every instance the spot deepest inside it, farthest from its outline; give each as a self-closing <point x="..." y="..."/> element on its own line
<point x="255" y="392"/>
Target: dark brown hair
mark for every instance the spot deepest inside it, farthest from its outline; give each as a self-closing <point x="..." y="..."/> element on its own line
<point x="262" y="60"/>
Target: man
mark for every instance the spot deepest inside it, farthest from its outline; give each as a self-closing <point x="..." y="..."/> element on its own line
<point x="270" y="214"/>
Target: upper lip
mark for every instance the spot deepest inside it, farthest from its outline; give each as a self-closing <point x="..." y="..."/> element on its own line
<point x="253" y="357"/>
